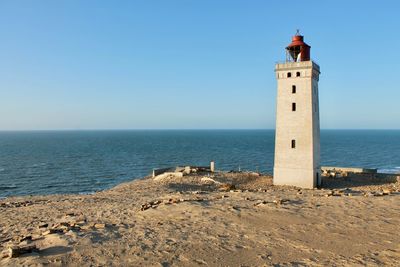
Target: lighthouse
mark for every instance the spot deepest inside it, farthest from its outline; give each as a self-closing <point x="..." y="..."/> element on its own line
<point x="297" y="136"/>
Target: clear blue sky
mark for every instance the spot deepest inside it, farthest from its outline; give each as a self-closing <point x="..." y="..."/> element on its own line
<point x="191" y="64"/>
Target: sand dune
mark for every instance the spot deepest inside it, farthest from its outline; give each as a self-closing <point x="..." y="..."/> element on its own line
<point x="189" y="221"/>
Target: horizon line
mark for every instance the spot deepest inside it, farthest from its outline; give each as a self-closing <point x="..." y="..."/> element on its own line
<point x="182" y="129"/>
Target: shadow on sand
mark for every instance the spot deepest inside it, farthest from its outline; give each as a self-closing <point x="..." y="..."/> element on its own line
<point x="358" y="180"/>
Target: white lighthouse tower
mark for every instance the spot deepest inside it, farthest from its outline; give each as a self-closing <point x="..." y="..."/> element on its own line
<point x="297" y="137"/>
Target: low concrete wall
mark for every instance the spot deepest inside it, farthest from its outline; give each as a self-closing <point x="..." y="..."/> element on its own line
<point x="167" y="175"/>
<point x="374" y="177"/>
<point x="161" y="171"/>
<point x="359" y="174"/>
<point x="348" y="169"/>
<point x="180" y="169"/>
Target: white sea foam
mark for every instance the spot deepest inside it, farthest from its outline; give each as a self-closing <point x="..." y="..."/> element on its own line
<point x="5" y="187"/>
<point x="87" y="193"/>
<point x="394" y="170"/>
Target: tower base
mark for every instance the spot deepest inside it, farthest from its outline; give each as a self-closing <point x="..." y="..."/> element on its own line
<point x="304" y="178"/>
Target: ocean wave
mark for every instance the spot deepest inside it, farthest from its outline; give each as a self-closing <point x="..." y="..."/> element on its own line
<point x="395" y="170"/>
<point x="5" y="187"/>
<point x="37" y="165"/>
<point x="49" y="186"/>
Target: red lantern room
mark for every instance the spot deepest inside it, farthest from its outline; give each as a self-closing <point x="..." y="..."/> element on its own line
<point x="298" y="50"/>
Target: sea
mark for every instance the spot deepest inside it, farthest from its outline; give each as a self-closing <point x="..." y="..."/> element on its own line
<point x="83" y="162"/>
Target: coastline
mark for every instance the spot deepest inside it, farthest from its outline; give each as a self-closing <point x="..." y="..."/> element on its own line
<point x="111" y="157"/>
<point x="218" y="219"/>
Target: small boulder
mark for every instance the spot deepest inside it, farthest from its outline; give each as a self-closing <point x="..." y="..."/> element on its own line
<point x="226" y="187"/>
<point x="187" y="170"/>
<point x="48" y="232"/>
<point x="43" y="225"/>
<point x="386" y="192"/>
<point x="208" y="180"/>
<point x="260" y="203"/>
<point x="17" y="251"/>
<point x="99" y="225"/>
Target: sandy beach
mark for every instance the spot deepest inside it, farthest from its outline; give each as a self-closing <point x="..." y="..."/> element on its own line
<point x="220" y="219"/>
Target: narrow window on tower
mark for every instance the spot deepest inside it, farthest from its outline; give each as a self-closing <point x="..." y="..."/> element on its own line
<point x="293" y="143"/>
<point x="289" y="74"/>
<point x="293" y="89"/>
<point x="293" y="106"/>
<point x="298" y="74"/>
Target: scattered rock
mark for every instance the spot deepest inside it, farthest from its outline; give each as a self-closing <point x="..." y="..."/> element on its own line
<point x="208" y="180"/>
<point x="260" y="203"/>
<point x="386" y="192"/>
<point x="328" y="194"/>
<point x="82" y="222"/>
<point x="27" y="238"/>
<point x="99" y="225"/>
<point x="187" y="170"/>
<point x="226" y="187"/>
<point x="198" y="192"/>
<point x="62" y="226"/>
<point x="174" y="200"/>
<point x="280" y="201"/>
<point x="337" y="193"/>
<point x="179" y="169"/>
<point x="145" y="206"/>
<point x="50" y="231"/>
<point x="36" y="237"/>
<point x="152" y="204"/>
<point x="167" y="201"/>
<point x="43" y="225"/>
<point x="5" y="240"/>
<point x="277" y="201"/>
<point x="85" y="227"/>
<point x="17" y="251"/>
